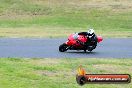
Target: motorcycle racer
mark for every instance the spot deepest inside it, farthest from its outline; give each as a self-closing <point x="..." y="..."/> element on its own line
<point x="81" y="41"/>
<point x="91" y="37"/>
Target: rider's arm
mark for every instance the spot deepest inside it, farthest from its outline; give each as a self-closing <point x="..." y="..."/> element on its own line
<point x="83" y="33"/>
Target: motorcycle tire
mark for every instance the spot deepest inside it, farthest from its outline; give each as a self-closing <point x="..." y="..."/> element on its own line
<point x="63" y="47"/>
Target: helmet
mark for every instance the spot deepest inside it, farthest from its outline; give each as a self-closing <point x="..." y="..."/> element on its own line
<point x="90" y="32"/>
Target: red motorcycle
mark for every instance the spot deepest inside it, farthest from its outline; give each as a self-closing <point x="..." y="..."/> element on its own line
<point x="76" y="42"/>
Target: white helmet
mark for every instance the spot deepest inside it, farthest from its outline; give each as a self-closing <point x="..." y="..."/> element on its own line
<point x="90" y="32"/>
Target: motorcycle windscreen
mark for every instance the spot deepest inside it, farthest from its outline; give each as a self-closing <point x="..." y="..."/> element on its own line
<point x="99" y="38"/>
<point x="71" y="38"/>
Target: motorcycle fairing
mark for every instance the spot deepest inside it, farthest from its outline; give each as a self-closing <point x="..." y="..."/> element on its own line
<point x="99" y="39"/>
<point x="72" y="40"/>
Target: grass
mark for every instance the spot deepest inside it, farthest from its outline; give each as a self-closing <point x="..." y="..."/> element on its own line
<point x="58" y="73"/>
<point x="59" y="18"/>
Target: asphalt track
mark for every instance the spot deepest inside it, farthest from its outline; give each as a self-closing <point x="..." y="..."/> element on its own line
<point x="48" y="48"/>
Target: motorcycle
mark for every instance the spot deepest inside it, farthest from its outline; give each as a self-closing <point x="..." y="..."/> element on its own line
<point x="77" y="42"/>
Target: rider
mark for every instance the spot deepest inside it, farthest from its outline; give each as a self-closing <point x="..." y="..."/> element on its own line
<point x="90" y="37"/>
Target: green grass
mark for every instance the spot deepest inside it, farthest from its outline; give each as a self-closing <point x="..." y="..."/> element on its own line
<point x="45" y="18"/>
<point x="58" y="73"/>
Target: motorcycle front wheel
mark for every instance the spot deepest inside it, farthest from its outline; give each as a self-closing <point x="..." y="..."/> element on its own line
<point x="63" y="47"/>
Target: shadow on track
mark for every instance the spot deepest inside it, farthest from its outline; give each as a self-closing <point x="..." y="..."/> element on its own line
<point x="82" y="52"/>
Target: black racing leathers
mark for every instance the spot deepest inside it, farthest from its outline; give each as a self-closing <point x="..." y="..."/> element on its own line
<point x="88" y="42"/>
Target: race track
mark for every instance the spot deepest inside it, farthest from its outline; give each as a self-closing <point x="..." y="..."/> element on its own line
<point x="48" y="48"/>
